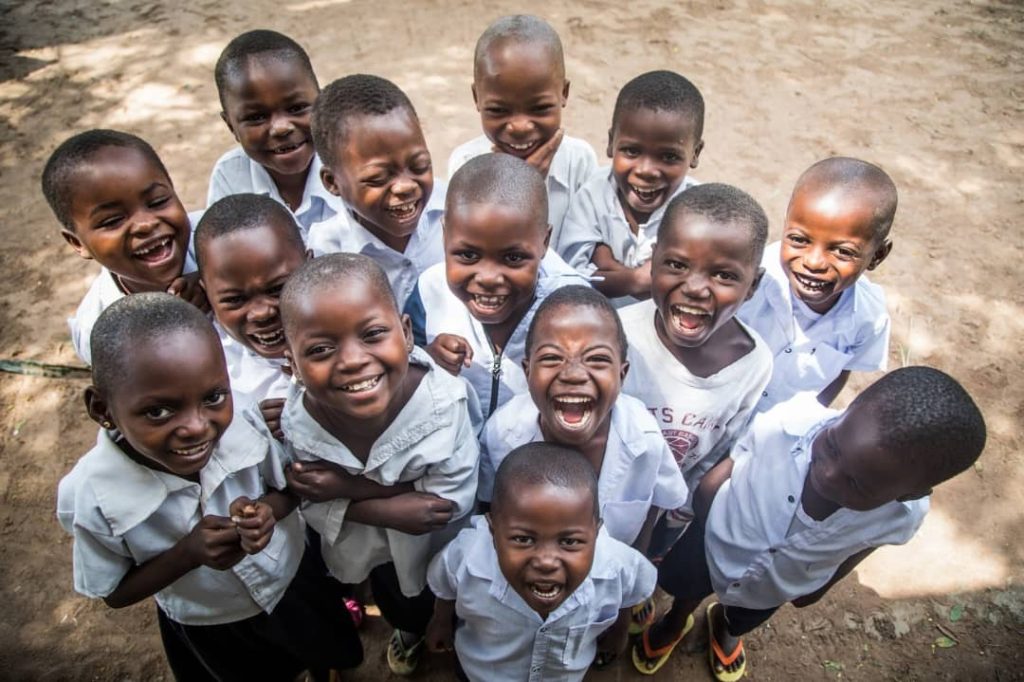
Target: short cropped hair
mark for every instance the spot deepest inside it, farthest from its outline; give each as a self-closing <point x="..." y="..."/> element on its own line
<point x="500" y="179"/>
<point x="239" y="212"/>
<point x="326" y="272"/>
<point x="135" y="321"/>
<point x="348" y="97"/>
<point x="523" y="29"/>
<point x="926" y="416"/>
<point x="540" y="463"/>
<point x="662" y="91"/>
<point x="77" y="151"/>
<point x="723" y="205"/>
<point x="262" y="43"/>
<point x="855" y="178"/>
<point x="577" y="296"/>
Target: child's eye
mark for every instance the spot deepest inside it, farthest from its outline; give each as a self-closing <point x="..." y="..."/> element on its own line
<point x="232" y="301"/>
<point x="571" y="542"/>
<point x="159" y="201"/>
<point x="726" y="276"/>
<point x="599" y="359"/>
<point x="849" y="254"/>
<point x="298" y="108"/>
<point x="467" y="256"/>
<point x="275" y="290"/>
<point x="158" y="413"/>
<point x="629" y="152"/>
<point x="319" y="349"/>
<point x="796" y="239"/>
<point x="375" y="181"/>
<point x="543" y="108"/>
<point x="675" y="264"/>
<point x="375" y="333"/>
<point x="217" y="398"/>
<point x="255" y="117"/>
<point x="421" y="168"/>
<point x="549" y="359"/>
<point x="525" y="540"/>
<point x="495" y="111"/>
<point x="112" y="221"/>
<point x="515" y="258"/>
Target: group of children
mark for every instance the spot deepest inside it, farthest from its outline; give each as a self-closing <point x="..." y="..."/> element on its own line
<point x="513" y="403"/>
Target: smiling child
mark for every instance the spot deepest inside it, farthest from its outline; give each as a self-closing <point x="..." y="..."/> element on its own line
<point x="816" y="310"/>
<point x="803" y="498"/>
<point x="536" y="585"/>
<point x="375" y="159"/>
<point x="655" y="138"/>
<point x="267" y="88"/>
<point x="116" y="205"/>
<point x="472" y="312"/>
<point x="247" y="246"/>
<point x="380" y="439"/>
<point x="520" y="89"/>
<point x="183" y="502"/>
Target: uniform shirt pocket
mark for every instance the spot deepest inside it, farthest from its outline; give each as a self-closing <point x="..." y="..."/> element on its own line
<point x="580" y="645"/>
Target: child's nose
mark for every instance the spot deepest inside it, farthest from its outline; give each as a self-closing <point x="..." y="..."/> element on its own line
<point x="573" y="371"/>
<point x="403" y="186"/>
<point x="645" y="167"/>
<point x="695" y="285"/>
<point x="814" y="259"/>
<point x="281" y="125"/>
<point x="520" y="125"/>
<point x="262" y="310"/>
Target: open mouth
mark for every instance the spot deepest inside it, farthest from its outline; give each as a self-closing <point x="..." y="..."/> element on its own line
<point x="520" y="149"/>
<point x="689" y="320"/>
<point x="404" y="212"/>
<point x="193" y="452"/>
<point x="573" y="412"/>
<point x="362" y="386"/>
<point x="288" y="148"/>
<point x="813" y="285"/>
<point x="156" y="251"/>
<point x="270" y="339"/>
<point x="488" y="303"/>
<point x="546" y="592"/>
<point x="647" y="195"/>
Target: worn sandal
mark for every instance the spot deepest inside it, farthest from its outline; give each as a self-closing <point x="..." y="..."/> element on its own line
<point x="642" y="616"/>
<point x="719" y="657"/>
<point x="648" y="661"/>
<point x="402" y="659"/>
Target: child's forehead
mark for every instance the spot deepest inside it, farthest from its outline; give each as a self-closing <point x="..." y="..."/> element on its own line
<point x="280" y="70"/>
<point x="669" y="124"/>
<point x="576" y="319"/>
<point x="113" y="171"/>
<point x="508" y="51"/>
<point x="270" y="235"/>
<point x="482" y="218"/>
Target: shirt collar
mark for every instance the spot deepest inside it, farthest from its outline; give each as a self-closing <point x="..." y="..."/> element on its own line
<point x="128" y="493"/>
<point x="360" y="238"/>
<point x="314" y="189"/>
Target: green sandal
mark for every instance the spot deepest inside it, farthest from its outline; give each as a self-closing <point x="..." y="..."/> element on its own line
<point x="402" y="660"/>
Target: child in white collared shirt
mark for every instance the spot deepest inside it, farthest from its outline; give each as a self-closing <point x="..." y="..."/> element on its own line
<point x="536" y="589"/>
<point x="520" y="89"/>
<point x="376" y="160"/>
<point x="816" y="310"/>
<point x="804" y="497"/>
<point x="388" y="428"/>
<point x="183" y="501"/>
<point x="267" y="87"/>
<point x="654" y="140"/>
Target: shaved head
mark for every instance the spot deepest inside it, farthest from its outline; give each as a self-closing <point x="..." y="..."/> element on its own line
<point x="849" y="180"/>
<point x="519" y="29"/>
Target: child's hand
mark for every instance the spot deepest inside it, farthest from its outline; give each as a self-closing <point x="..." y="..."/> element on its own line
<point x="440" y="635"/>
<point x="418" y="513"/>
<point x="317" y="481"/>
<point x="450" y="351"/>
<point x="271" y="410"/>
<point x="214" y="542"/>
<point x="187" y="287"/>
<point x="255" y="523"/>
<point x="541" y="157"/>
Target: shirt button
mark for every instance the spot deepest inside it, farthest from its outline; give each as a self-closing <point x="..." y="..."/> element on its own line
<point x="765" y="394"/>
<point x="735" y="584"/>
<point x="535" y="669"/>
<point x="791" y="498"/>
<point x="544" y="629"/>
<point x="789" y="350"/>
<point x="772" y="550"/>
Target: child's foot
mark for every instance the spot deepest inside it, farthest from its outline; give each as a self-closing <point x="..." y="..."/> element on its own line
<point x="725" y="652"/>
<point x="649" y="657"/>
<point x="641" y="616"/>
<point x="404" y="652"/>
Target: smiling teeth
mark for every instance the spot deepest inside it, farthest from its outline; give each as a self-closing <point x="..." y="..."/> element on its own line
<point x="403" y="210"/>
<point x="189" y="452"/>
<point x="287" y="149"/>
<point x="489" y="301"/>
<point x="519" y="147"/>
<point x="362" y="385"/>
<point x="150" y="249"/>
<point x="549" y="593"/>
<point x="812" y="284"/>
<point x="688" y="310"/>
<point x="645" y="194"/>
<point x="269" y="338"/>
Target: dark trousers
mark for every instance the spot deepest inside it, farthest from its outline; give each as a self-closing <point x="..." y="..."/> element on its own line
<point x="409" y="614"/>
<point x="684" y="574"/>
<point x="309" y="629"/>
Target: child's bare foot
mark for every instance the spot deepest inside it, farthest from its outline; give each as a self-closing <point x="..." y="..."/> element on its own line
<point x="726" y="655"/>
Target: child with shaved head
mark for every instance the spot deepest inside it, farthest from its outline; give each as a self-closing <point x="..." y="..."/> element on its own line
<point x="520" y="89"/>
<point x="818" y="313"/>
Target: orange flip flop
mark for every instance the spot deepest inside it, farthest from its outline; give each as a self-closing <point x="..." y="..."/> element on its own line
<point x="716" y="655"/>
<point x="648" y="661"/>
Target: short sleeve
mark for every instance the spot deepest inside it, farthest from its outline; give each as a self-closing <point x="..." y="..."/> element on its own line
<point x="639" y="578"/>
<point x="872" y="351"/>
<point x="670" y="491"/>
<point x="219" y="186"/>
<point x="455" y="478"/>
<point x="580" y="233"/>
<point x="442" y="573"/>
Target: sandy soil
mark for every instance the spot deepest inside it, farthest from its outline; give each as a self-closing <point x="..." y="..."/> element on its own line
<point x="931" y="91"/>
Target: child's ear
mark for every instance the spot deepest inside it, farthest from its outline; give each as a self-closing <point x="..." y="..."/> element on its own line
<point x="407" y="331"/>
<point x="756" y="284"/>
<point x="97" y="408"/>
<point x="624" y="370"/>
<point x="72" y="239"/>
<point x="881" y="254"/>
<point x="330" y="181"/>
<point x="697" y="149"/>
<point x="309" y="254"/>
<point x="476" y="102"/>
<point x="547" y="237"/>
<point x="526" y="367"/>
<point x="289" y="365"/>
<point x="565" y="93"/>
<point x="609" y="151"/>
<point x="227" y="122"/>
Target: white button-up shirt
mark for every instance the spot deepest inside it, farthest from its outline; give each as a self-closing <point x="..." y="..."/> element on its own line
<point x="431" y="444"/>
<point x="236" y="173"/>
<point x="425" y="248"/>
<point x="499" y="637"/>
<point x="122" y="514"/>
<point x="495" y="377"/>
<point x="638" y="470"/>
<point x="763" y="549"/>
<point x="572" y="164"/>
<point x="811" y="353"/>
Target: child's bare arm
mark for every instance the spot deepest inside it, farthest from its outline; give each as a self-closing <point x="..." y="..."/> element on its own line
<point x="618" y="279"/>
<point x="415" y="513"/>
<point x="214" y="542"/>
<point x="643" y="539"/>
<point x="324" y="481"/>
<point x="829" y="393"/>
<point x="708" y="487"/>
<point x="841" y="572"/>
<point x="440" y="634"/>
<point x="270" y="410"/>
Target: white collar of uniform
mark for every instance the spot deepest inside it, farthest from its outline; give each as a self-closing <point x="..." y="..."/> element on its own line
<point x="427" y="411"/>
<point x="804" y="417"/>
<point x="633" y="438"/>
<point x="561" y="164"/>
<point x="262" y="183"/>
<point x="359" y="237"/>
<point x="128" y="492"/>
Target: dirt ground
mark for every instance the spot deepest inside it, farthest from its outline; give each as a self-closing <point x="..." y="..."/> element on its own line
<point x="931" y="91"/>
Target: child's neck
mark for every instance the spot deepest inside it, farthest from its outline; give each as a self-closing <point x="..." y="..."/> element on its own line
<point x="391" y="241"/>
<point x="633" y="219"/>
<point x="360" y="435"/>
<point x="593" y="449"/>
<point x="291" y="187"/>
<point x="134" y="456"/>
<point x="729" y="343"/>
<point x="814" y="504"/>
<point x="499" y="334"/>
